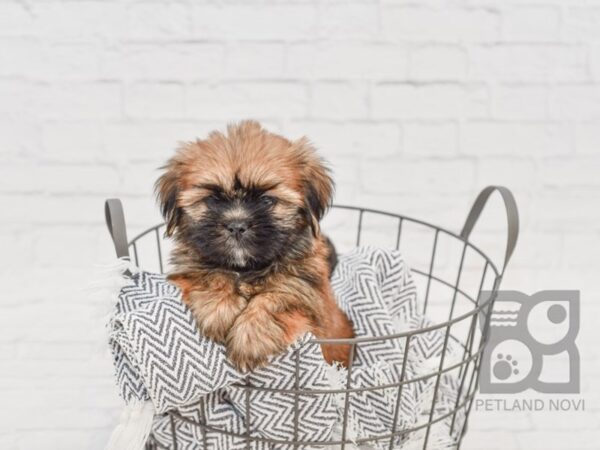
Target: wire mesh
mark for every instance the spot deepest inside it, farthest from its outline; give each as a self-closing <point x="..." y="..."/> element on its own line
<point x="461" y="307"/>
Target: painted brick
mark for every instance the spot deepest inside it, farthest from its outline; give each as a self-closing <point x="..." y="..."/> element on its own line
<point x="255" y="60"/>
<point x="575" y="102"/>
<point x="520" y="102"/>
<point x="443" y="24"/>
<point x="169" y="62"/>
<point x="236" y="101"/>
<point x="521" y="62"/>
<point x="339" y="101"/>
<point x="154" y="101"/>
<point x="438" y="62"/>
<point x="81" y="101"/>
<point x="348" y="20"/>
<point x="398" y="175"/>
<point x="531" y="23"/>
<point x="344" y="60"/>
<point x="429" y="101"/>
<point x="152" y="20"/>
<point x="243" y="21"/>
<point x="415" y="105"/>
<point x="517" y="139"/>
<point x="436" y="138"/>
<point x="349" y="138"/>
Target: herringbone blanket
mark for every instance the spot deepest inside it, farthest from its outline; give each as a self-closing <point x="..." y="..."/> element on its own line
<point x="161" y="359"/>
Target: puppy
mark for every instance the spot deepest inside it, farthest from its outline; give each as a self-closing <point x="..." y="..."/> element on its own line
<point x="249" y="257"/>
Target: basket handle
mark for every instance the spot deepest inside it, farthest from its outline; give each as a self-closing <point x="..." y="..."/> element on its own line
<point x="115" y="221"/>
<point x="512" y="216"/>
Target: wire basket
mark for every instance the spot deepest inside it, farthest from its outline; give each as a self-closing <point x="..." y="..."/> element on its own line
<point x="457" y="283"/>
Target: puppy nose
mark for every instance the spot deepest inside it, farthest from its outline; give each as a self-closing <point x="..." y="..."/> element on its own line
<point x="237" y="227"/>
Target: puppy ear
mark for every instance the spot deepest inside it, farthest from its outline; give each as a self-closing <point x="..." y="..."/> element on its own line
<point x="318" y="186"/>
<point x="167" y="190"/>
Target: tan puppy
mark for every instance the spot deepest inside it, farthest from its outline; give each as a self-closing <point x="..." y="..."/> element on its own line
<point x="244" y="210"/>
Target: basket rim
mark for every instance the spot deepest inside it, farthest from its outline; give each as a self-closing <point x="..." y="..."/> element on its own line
<point x="360" y="209"/>
<point x="479" y="306"/>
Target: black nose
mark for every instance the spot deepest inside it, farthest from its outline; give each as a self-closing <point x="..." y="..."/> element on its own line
<point x="237" y="227"/>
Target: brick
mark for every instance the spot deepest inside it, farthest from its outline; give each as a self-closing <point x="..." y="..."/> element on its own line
<point x="415" y="105"/>
<point x="438" y="62"/>
<point x="19" y="57"/>
<point x="19" y="139"/>
<point x="141" y="176"/>
<point x="587" y="138"/>
<point x="34" y="60"/>
<point x="241" y="21"/>
<point x="530" y="23"/>
<point x="575" y="102"/>
<point x="63" y="398"/>
<point x="169" y="62"/>
<point x="8" y="440"/>
<point x="41" y="209"/>
<point x="581" y="23"/>
<point x="339" y="101"/>
<point x="235" y="101"/>
<point x="19" y="246"/>
<point x="58" y="179"/>
<point x="516" y="101"/>
<point x="255" y="60"/>
<point x="521" y="62"/>
<point x="398" y="175"/>
<point x="76" y="21"/>
<point x="349" y="138"/>
<point x="545" y="250"/>
<point x="154" y="101"/>
<point x="429" y="101"/>
<point x="48" y="249"/>
<point x="517" y="173"/>
<point x="70" y="62"/>
<point x="493" y="138"/>
<point x="486" y="440"/>
<point x="565" y="173"/>
<point x="60" y="419"/>
<point x="343" y="61"/>
<point x="437" y="138"/>
<point x="550" y="439"/>
<point x="71" y="141"/>
<point x="567" y="210"/>
<point x="15" y="19"/>
<point x="595" y="62"/>
<point x="481" y="420"/>
<point x="348" y="20"/>
<point x="440" y="25"/>
<point x="153" y="141"/>
<point x="152" y="20"/>
<point x="18" y="100"/>
<point x="81" y="101"/>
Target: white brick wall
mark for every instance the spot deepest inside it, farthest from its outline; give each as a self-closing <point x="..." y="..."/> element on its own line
<point x="417" y="105"/>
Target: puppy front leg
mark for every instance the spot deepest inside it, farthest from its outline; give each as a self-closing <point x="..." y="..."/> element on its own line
<point x="215" y="314"/>
<point x="263" y="330"/>
<point x="214" y="305"/>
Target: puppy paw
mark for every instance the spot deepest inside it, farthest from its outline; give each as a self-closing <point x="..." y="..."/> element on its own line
<point x="215" y="315"/>
<point x="251" y="342"/>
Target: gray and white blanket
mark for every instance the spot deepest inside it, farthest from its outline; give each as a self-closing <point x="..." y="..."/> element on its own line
<point x="163" y="363"/>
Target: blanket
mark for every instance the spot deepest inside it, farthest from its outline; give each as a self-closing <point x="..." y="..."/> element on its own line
<point x="163" y="363"/>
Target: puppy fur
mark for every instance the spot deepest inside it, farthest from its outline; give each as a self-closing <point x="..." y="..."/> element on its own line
<point x="244" y="208"/>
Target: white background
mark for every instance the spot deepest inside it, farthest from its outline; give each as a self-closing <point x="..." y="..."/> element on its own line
<point x="416" y="104"/>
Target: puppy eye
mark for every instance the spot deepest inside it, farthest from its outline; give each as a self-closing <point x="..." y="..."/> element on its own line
<point x="213" y="199"/>
<point x="267" y="200"/>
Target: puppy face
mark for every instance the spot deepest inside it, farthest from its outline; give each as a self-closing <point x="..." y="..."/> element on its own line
<point x="246" y="199"/>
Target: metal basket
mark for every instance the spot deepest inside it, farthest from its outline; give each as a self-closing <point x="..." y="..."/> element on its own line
<point x="449" y="263"/>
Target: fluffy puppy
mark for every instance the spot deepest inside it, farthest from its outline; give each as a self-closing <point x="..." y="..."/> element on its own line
<point x="244" y="210"/>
